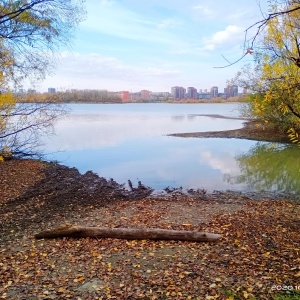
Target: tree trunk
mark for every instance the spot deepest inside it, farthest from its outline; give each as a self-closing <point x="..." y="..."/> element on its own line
<point x="128" y="233"/>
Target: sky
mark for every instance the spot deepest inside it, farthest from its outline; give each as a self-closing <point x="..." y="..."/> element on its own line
<point x="156" y="44"/>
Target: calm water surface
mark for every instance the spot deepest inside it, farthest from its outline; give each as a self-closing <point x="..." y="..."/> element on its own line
<point x="129" y="141"/>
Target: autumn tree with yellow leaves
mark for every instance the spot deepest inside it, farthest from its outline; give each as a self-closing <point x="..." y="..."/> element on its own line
<point x="7" y="101"/>
<point x="31" y="33"/>
<point x="274" y="81"/>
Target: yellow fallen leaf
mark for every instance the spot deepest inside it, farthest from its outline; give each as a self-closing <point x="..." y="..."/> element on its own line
<point x="109" y="267"/>
<point x="61" y="290"/>
<point x="245" y="294"/>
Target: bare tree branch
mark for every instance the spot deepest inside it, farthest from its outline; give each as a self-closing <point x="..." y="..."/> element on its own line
<point x="265" y="21"/>
<point x="230" y="64"/>
<point x="261" y="25"/>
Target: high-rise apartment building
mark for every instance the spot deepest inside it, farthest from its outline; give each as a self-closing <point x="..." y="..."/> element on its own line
<point x="214" y="92"/>
<point x="51" y="90"/>
<point x="192" y="93"/>
<point x="124" y="95"/>
<point x="31" y="91"/>
<point x="145" y="95"/>
<point x="231" y="91"/>
<point x="178" y="92"/>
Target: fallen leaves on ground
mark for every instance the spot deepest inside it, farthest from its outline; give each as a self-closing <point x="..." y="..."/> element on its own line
<point x="259" y="249"/>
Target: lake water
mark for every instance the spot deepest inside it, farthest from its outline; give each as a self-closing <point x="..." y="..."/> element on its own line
<point x="129" y="141"/>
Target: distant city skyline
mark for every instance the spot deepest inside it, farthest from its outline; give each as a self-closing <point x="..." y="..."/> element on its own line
<point x="199" y="89"/>
<point x="153" y="45"/>
<point x="177" y="92"/>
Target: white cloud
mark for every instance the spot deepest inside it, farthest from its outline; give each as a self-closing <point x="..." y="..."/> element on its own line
<point x="229" y="37"/>
<point x="159" y="72"/>
<point x="167" y="23"/>
<point x="114" y="19"/>
<point x="106" y="3"/>
<point x="204" y="10"/>
<point x="95" y="71"/>
<point x="239" y="15"/>
<point x="225" y="165"/>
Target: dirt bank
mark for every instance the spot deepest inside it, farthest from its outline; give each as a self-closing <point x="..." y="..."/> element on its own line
<point x="259" y="249"/>
<point x="252" y="130"/>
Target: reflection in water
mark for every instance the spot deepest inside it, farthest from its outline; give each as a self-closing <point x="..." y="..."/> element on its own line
<point x="99" y="129"/>
<point x="269" y="167"/>
<point x="129" y="142"/>
<point x="178" y="118"/>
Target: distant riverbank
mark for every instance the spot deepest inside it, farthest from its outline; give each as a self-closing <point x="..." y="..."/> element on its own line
<point x="252" y="130"/>
<point x="94" y="98"/>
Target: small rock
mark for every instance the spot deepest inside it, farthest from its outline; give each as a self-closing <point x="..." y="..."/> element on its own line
<point x="90" y="286"/>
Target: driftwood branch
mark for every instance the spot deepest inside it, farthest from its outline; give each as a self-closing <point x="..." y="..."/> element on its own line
<point x="128" y="233"/>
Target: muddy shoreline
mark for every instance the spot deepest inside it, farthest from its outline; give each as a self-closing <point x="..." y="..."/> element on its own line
<point x="53" y="181"/>
<point x="259" y="244"/>
<point x="252" y="130"/>
<point x="42" y="194"/>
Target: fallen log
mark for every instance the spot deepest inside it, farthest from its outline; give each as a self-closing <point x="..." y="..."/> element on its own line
<point x="128" y="233"/>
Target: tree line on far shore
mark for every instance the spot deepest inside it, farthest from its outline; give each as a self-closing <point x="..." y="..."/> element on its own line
<point x="104" y="96"/>
<point x="71" y="96"/>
